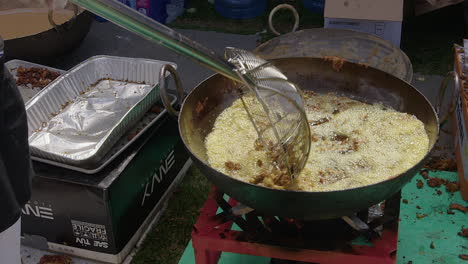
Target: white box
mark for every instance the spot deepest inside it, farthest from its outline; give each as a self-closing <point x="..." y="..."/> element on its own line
<point x="388" y="30"/>
<point x="382" y="18"/>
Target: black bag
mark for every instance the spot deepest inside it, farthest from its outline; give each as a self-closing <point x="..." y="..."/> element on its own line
<point x="15" y="163"/>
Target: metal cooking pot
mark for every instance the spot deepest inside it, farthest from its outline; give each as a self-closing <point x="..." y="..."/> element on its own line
<point x="353" y="46"/>
<point x="45" y="46"/>
<point x="205" y="102"/>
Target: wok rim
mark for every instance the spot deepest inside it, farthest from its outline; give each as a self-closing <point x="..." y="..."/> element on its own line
<point x="408" y="77"/>
<point x="426" y="156"/>
<point x="35" y="35"/>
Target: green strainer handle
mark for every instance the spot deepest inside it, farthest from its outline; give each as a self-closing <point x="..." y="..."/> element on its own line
<point x="150" y="29"/>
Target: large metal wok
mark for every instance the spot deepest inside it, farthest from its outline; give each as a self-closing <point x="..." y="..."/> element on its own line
<point x="210" y="97"/>
<point x="353" y="46"/>
<point x="45" y="46"/>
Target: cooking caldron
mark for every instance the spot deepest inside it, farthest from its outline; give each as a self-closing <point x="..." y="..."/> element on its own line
<point x="45" y="46"/>
<point x="353" y="46"/>
<point x="206" y="101"/>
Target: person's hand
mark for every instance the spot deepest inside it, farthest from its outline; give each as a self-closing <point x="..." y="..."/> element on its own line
<point x="56" y="4"/>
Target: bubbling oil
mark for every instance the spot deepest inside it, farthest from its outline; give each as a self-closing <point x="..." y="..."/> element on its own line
<point x="353" y="144"/>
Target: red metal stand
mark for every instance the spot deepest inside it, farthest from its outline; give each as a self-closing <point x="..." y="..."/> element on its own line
<point x="212" y="235"/>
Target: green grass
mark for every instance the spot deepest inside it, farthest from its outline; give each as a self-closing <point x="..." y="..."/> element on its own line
<point x="168" y="239"/>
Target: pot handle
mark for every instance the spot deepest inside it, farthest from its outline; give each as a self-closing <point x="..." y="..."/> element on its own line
<point x="50" y="16"/>
<point x="283" y="6"/>
<point x="163" y="88"/>
<point x="441" y="96"/>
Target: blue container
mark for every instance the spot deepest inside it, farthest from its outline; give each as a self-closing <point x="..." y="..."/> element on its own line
<point x="315" y="6"/>
<point x="174" y="9"/>
<point x="130" y="3"/>
<point x="240" y="9"/>
<point x="156" y="9"/>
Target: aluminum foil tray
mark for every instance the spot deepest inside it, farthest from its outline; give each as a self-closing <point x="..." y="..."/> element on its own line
<point x="81" y="115"/>
<point x="27" y="92"/>
<point x="149" y="120"/>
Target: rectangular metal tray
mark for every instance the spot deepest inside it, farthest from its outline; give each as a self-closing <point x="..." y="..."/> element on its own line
<point x="69" y="86"/>
<point x="146" y="122"/>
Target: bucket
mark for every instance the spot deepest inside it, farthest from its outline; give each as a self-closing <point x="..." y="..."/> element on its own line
<point x="240" y="9"/>
<point x="315" y="6"/>
<point x="156" y="9"/>
<point x="174" y="9"/>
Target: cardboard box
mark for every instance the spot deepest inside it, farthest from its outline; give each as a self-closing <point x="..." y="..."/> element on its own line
<point x="102" y="216"/>
<point x="460" y="119"/>
<point x="462" y="145"/>
<point x="426" y="6"/>
<point x="382" y="18"/>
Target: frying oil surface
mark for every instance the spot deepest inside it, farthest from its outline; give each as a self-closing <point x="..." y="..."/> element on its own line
<point x="353" y="144"/>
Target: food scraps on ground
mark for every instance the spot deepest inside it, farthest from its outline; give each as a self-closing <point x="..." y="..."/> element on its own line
<point x="55" y="259"/>
<point x="452" y="187"/>
<point x="463" y="256"/>
<point x="432" y="245"/>
<point x="450" y="212"/>
<point x="442" y="164"/>
<point x="405" y="201"/>
<point x="419" y="184"/>
<point x="459" y="207"/>
<point x="425" y="174"/>
<point x="463" y="232"/>
<point x="419" y="216"/>
<point x="35" y="77"/>
<point x="435" y="182"/>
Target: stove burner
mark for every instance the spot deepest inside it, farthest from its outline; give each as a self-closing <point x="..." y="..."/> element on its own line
<point x="285" y="238"/>
<point x="367" y="223"/>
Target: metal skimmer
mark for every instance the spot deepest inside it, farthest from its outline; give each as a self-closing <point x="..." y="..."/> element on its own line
<point x="277" y="112"/>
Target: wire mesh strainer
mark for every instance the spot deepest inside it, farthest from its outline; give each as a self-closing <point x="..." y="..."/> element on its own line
<point x="277" y="114"/>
